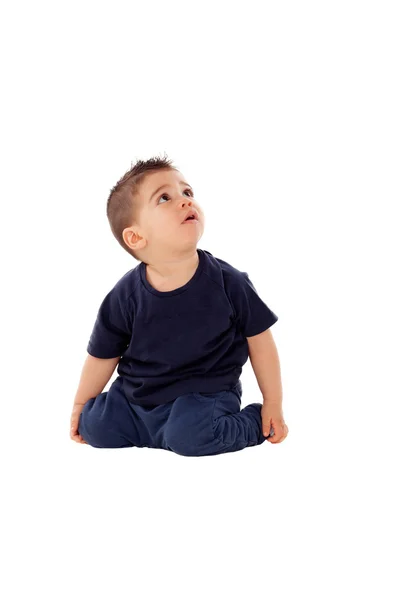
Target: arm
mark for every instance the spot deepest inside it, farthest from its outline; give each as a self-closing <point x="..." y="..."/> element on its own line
<point x="96" y="373"/>
<point x="264" y="359"/>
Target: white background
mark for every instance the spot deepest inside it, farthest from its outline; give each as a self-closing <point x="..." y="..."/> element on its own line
<point x="284" y="117"/>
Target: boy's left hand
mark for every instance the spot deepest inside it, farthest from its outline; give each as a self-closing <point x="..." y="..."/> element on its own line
<point x="272" y="416"/>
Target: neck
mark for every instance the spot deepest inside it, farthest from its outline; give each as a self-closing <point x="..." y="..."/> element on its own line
<point x="174" y="268"/>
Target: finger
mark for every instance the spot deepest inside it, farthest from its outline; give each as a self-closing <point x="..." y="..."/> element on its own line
<point x="266" y="428"/>
<point x="78" y="438"/>
<point x="75" y="429"/>
<point x="280" y="427"/>
<point x="285" y="432"/>
<point x="280" y="439"/>
<point x="277" y="437"/>
<point x="278" y="431"/>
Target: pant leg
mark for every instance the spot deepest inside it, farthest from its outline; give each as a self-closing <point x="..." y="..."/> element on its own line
<point x="155" y="419"/>
<point x="110" y="421"/>
<point x="189" y="429"/>
<point x="237" y="428"/>
<point x="202" y="424"/>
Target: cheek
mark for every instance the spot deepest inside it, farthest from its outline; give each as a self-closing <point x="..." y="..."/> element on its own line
<point x="164" y="223"/>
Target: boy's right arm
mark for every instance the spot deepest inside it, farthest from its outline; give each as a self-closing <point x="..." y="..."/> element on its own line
<point x="96" y="373"/>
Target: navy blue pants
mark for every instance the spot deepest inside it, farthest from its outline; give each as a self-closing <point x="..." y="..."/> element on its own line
<point x="196" y="424"/>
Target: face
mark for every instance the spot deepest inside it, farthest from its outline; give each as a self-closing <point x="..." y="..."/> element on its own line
<point x="164" y="200"/>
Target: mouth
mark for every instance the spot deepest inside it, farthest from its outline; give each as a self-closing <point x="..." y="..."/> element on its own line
<point x="191" y="218"/>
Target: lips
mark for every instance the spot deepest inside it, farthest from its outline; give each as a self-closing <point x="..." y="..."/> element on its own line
<point x="193" y="214"/>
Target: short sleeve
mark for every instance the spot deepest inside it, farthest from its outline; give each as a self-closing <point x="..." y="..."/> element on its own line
<point x="252" y="314"/>
<point x="112" y="331"/>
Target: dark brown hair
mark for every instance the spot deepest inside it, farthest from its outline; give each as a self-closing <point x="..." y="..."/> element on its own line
<point x="122" y="211"/>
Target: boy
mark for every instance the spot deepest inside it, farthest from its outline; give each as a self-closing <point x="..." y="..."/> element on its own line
<point x="180" y="326"/>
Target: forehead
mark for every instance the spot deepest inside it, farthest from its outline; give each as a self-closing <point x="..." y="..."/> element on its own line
<point x="154" y="180"/>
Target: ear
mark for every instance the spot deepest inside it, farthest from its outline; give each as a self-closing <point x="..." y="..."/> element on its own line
<point x="132" y="238"/>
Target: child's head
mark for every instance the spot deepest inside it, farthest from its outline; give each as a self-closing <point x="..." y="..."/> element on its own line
<point x="146" y="209"/>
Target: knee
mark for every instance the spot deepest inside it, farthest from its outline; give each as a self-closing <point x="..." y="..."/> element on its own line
<point x="90" y="427"/>
<point x="179" y="441"/>
<point x="188" y="439"/>
<point x="189" y="430"/>
<point x="192" y="440"/>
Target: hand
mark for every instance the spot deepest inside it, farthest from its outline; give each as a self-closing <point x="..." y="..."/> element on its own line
<point x="74" y="435"/>
<point x="272" y="416"/>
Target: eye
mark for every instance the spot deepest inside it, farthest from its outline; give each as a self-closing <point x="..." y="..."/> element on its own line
<point x="186" y="190"/>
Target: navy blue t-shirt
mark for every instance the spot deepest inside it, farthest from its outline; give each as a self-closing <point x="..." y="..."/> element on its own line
<point x="191" y="339"/>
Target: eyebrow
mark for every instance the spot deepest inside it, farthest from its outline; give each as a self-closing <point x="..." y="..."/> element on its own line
<point x="166" y="185"/>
